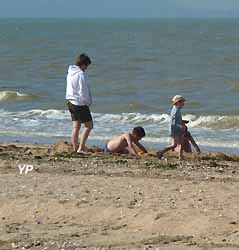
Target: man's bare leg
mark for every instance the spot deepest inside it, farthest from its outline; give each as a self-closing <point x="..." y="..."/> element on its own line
<point x="84" y="136"/>
<point x="75" y="134"/>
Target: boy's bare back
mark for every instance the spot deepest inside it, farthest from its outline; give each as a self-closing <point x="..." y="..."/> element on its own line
<point x="119" y="144"/>
<point x="125" y="143"/>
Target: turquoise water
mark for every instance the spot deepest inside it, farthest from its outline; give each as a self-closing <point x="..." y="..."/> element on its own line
<point x="138" y="65"/>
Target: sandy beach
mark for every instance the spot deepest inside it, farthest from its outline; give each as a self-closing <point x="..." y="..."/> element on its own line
<point x="114" y="202"/>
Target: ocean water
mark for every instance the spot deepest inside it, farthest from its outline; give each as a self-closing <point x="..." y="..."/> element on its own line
<point x="138" y="66"/>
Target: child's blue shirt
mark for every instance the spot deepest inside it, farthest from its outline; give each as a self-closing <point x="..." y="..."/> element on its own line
<point x="175" y="128"/>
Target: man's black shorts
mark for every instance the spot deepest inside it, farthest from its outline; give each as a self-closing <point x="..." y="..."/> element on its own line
<point x="79" y="113"/>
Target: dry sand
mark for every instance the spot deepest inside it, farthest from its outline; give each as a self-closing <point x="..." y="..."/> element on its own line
<point x="113" y="202"/>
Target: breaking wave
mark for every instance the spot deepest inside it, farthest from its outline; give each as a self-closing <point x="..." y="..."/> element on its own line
<point x="212" y="122"/>
<point x="50" y="125"/>
<point x="9" y="95"/>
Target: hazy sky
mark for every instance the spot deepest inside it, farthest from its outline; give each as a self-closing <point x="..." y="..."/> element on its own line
<point x="119" y="8"/>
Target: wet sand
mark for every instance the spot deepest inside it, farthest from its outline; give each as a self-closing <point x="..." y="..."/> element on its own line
<point x="114" y="202"/>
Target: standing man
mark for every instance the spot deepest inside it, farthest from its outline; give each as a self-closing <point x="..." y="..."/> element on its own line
<point x="79" y="99"/>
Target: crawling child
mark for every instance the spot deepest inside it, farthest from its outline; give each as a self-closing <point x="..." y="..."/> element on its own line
<point x="125" y="143"/>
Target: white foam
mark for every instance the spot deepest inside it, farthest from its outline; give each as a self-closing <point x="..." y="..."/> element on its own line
<point x="9" y="95"/>
<point x="215" y="121"/>
<point x="57" y="123"/>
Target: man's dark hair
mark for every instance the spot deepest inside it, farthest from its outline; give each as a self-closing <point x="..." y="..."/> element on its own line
<point x="139" y="131"/>
<point x="83" y="59"/>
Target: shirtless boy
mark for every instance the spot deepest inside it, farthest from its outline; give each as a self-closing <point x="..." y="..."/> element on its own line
<point x="125" y="143"/>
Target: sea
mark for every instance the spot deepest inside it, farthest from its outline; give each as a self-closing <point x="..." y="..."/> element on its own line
<point x="138" y="65"/>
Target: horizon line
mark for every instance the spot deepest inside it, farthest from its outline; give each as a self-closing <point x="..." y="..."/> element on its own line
<point x="75" y="17"/>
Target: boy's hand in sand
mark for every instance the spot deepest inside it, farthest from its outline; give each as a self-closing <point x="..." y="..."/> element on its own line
<point x="140" y="153"/>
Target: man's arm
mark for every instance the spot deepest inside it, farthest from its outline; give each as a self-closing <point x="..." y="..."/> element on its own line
<point x="84" y="90"/>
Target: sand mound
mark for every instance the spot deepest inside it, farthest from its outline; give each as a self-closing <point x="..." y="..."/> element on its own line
<point x="61" y="147"/>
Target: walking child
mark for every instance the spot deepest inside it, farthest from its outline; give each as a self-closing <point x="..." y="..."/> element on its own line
<point x="176" y="129"/>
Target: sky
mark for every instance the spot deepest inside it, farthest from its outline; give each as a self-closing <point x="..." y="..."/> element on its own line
<point x="119" y="8"/>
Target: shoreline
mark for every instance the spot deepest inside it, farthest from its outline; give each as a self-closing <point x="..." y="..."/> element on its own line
<point x="115" y="202"/>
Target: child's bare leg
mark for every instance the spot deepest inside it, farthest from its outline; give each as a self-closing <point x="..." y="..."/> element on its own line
<point x="162" y="152"/>
<point x="180" y="147"/>
<point x="75" y="134"/>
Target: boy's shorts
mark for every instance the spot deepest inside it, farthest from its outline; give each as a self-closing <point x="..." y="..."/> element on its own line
<point x="106" y="149"/>
<point x="79" y="113"/>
